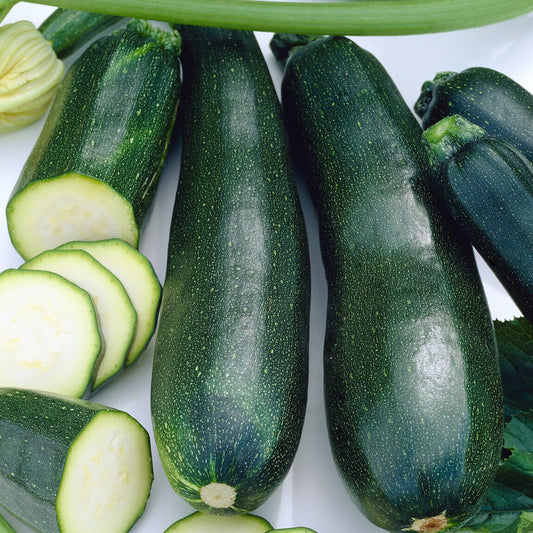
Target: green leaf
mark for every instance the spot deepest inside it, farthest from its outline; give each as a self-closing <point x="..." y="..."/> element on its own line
<point x="509" y="505"/>
<point x="515" y="344"/>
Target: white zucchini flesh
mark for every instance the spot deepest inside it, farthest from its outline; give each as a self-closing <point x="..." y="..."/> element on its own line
<point x="47" y="213"/>
<point x="139" y="279"/>
<point x="49" y="333"/>
<point x="198" y="522"/>
<point x="107" y="476"/>
<point x="116" y="313"/>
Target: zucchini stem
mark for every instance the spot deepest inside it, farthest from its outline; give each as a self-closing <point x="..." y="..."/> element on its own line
<point x="354" y="17"/>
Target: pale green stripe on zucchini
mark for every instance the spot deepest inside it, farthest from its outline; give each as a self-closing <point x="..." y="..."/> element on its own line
<point x="49" y="333"/>
<point x="116" y="313"/>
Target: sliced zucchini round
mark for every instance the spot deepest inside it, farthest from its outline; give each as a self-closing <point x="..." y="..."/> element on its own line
<point x="115" y="311"/>
<point x="49" y="333"/>
<point x="137" y="275"/>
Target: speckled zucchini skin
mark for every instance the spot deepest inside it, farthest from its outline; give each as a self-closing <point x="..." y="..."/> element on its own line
<point x="487" y="186"/>
<point x="229" y="383"/>
<point x="112" y="117"/>
<point x="412" y="383"/>
<point x="36" y="434"/>
<point x="69" y="29"/>
<point x="488" y="98"/>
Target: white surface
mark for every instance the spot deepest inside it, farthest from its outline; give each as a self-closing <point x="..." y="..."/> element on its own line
<point x="312" y="494"/>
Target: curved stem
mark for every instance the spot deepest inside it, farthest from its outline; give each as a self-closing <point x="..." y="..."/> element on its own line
<point x="353" y="17"/>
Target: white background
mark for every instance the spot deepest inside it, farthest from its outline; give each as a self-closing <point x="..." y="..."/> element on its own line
<point x="312" y="494"/>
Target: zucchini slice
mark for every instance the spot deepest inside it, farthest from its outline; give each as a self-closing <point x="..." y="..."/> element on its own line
<point x="137" y="275"/>
<point x="49" y="334"/>
<point x="115" y="311"/>
<point x="94" y="169"/>
<point x="71" y="466"/>
<point x="205" y="523"/>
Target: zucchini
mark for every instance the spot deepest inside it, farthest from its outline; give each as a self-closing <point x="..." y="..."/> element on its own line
<point x="71" y="466"/>
<point x="110" y="300"/>
<point x="50" y="337"/>
<point x="68" y="30"/>
<point x="487" y="186"/>
<point x="412" y="383"/>
<point x="486" y="97"/>
<point x="136" y="273"/>
<point x="94" y="169"/>
<point x="205" y="523"/>
<point x="229" y="381"/>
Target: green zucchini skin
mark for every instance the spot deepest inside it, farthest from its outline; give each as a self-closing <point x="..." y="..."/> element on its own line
<point x="412" y="383"/>
<point x="229" y="382"/>
<point x="487" y="186"/>
<point x="38" y="432"/>
<point x="486" y="97"/>
<point x="68" y="29"/>
<point x="112" y="117"/>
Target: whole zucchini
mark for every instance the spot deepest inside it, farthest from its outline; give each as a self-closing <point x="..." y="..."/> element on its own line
<point x="229" y="382"/>
<point x="487" y="185"/>
<point x="486" y="97"/>
<point x="94" y="169"/>
<point x="412" y="382"/>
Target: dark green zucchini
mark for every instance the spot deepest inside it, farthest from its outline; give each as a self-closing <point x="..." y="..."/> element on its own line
<point x="412" y="383"/>
<point x="488" y="98"/>
<point x="68" y="29"/>
<point x="487" y="186"/>
<point x="229" y="382"/>
<point x="94" y="169"/>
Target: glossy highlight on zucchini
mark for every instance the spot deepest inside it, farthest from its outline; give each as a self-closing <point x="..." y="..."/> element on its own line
<point x="229" y="381"/>
<point x="412" y="382"/>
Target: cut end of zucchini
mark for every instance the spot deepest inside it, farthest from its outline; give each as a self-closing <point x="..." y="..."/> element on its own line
<point x="218" y="495"/>
<point x="433" y="524"/>
<point x="49" y="334"/>
<point x="205" y="523"/>
<point x="51" y="212"/>
<point x="107" y="476"/>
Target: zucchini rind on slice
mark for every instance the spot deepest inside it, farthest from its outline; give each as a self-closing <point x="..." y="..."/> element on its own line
<point x="116" y="313"/>
<point x="71" y="466"/>
<point x="49" y="333"/>
<point x="137" y="275"/>
<point x="198" y="522"/>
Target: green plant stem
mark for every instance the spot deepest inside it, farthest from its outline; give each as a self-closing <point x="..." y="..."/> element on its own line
<point x="5" y="527"/>
<point x="350" y="17"/>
